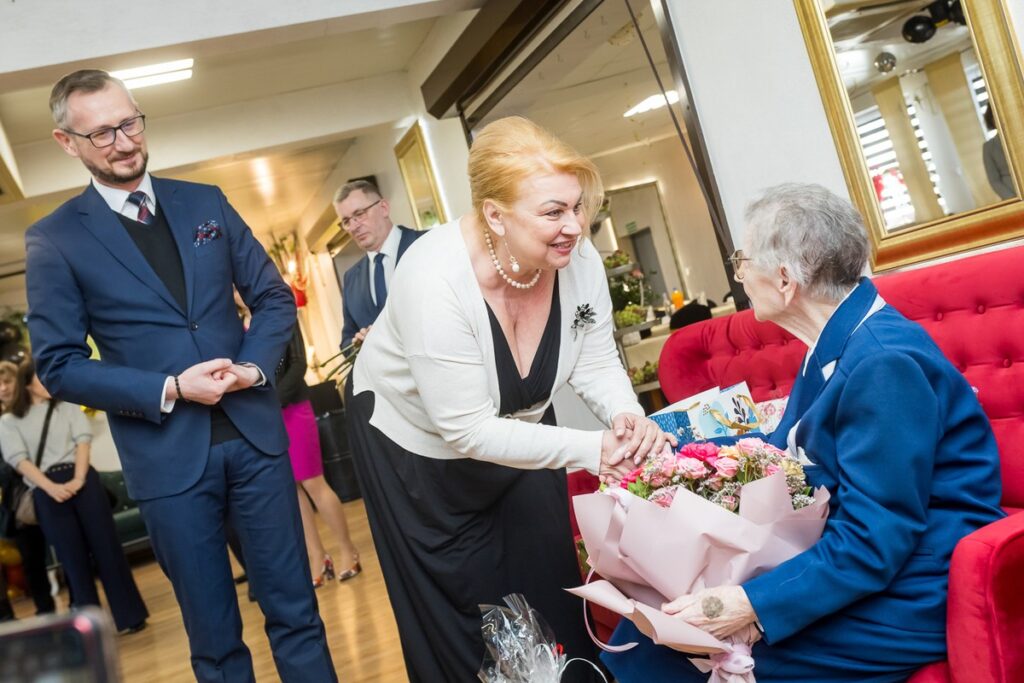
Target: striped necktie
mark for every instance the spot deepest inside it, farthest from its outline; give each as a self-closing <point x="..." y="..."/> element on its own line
<point x="138" y="198"/>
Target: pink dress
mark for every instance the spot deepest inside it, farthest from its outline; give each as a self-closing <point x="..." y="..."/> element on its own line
<point x="304" y="448"/>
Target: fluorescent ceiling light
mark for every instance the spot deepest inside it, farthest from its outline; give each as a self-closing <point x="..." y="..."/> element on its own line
<point x="653" y="102"/>
<point x="155" y="74"/>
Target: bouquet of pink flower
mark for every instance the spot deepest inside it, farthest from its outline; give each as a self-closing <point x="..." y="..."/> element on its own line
<point x="716" y="473"/>
<point x="704" y="516"/>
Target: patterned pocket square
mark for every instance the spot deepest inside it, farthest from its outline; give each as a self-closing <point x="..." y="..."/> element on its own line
<point x="207" y="232"/>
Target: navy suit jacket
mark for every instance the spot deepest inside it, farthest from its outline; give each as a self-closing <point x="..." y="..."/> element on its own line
<point x="86" y="276"/>
<point x="356" y="303"/>
<point x="901" y="443"/>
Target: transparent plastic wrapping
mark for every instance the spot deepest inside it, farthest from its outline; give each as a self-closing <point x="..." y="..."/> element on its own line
<point x="520" y="646"/>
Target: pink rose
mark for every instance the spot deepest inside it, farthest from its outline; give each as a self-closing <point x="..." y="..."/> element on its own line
<point x="665" y="496"/>
<point x="699" y="451"/>
<point x="771" y="469"/>
<point x="691" y="468"/>
<point x="668" y="467"/>
<point x="630" y="478"/>
<point x="730" y="503"/>
<point x="726" y="467"/>
<point x="657" y="479"/>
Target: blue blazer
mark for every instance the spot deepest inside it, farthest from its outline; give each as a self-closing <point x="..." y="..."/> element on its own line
<point x="899" y="439"/>
<point x="86" y="277"/>
<point x="356" y="303"/>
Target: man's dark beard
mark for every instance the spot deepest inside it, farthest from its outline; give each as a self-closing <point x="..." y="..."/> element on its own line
<point x="114" y="178"/>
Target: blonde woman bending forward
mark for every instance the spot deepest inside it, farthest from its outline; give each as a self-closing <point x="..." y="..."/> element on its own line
<point x="462" y="466"/>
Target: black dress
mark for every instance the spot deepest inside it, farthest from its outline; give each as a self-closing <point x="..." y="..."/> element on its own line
<point x="454" y="534"/>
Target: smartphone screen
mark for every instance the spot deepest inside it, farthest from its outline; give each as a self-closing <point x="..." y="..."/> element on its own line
<point x="67" y="648"/>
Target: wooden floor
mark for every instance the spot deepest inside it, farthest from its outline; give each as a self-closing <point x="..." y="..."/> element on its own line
<point x="360" y="627"/>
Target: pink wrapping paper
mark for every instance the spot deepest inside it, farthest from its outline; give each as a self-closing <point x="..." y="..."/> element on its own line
<point x="649" y="555"/>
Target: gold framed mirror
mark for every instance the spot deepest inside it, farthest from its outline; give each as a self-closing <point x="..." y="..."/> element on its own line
<point x="418" y="176"/>
<point x="907" y="86"/>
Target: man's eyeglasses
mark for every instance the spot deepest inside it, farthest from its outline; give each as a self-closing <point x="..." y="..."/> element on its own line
<point x="358" y="215"/>
<point x="736" y="260"/>
<point x="105" y="137"/>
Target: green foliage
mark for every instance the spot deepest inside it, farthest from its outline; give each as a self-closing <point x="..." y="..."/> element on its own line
<point x="628" y="290"/>
<point x="640" y="489"/>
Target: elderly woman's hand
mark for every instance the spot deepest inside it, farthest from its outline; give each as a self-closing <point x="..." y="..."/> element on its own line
<point x="644" y="436"/>
<point x="721" y="611"/>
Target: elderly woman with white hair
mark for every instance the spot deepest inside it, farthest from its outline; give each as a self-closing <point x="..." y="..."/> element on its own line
<point x="881" y="419"/>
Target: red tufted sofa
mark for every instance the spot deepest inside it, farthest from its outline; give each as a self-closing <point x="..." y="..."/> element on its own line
<point x="974" y="310"/>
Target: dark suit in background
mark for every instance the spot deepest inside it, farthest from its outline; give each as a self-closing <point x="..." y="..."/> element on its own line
<point x="195" y="468"/>
<point x="357" y="304"/>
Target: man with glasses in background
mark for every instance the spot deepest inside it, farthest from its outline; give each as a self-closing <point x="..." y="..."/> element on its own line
<point x="145" y="266"/>
<point x="366" y="215"/>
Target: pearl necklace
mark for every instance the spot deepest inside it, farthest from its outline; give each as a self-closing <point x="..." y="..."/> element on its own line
<point x="501" y="270"/>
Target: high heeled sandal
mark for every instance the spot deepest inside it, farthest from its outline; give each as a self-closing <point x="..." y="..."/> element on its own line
<point x="352" y="571"/>
<point x="326" y="574"/>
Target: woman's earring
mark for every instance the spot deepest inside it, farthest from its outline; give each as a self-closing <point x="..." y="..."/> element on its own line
<point x="511" y="259"/>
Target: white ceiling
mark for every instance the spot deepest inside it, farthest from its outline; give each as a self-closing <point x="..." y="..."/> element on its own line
<point x="269" y="189"/>
<point x="229" y="77"/>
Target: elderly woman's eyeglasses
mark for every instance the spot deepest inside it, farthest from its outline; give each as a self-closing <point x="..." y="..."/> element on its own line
<point x="736" y="260"/>
<point x="105" y="137"/>
<point x="358" y="214"/>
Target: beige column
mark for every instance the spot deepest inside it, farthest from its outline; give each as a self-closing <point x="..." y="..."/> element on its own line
<point x="949" y="84"/>
<point x="893" y="108"/>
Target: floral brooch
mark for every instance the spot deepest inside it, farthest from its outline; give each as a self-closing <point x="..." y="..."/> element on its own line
<point x="584" y="317"/>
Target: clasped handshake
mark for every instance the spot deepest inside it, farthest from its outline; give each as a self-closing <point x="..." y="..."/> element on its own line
<point x="631" y="440"/>
<point x="208" y="381"/>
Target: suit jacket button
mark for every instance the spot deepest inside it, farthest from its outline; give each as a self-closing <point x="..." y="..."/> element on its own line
<point x="193" y="326"/>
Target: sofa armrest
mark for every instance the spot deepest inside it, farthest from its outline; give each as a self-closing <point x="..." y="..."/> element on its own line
<point x="986" y="605"/>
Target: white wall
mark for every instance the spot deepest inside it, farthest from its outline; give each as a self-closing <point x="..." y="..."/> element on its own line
<point x="446" y="141"/>
<point x="1017" y="17"/>
<point x="756" y="97"/>
<point x="697" y="256"/>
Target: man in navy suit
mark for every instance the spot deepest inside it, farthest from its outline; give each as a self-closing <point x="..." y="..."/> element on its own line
<point x="366" y="215"/>
<point x="145" y="266"/>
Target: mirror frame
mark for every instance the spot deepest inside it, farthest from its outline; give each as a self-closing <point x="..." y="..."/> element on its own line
<point x="1000" y="59"/>
<point x="412" y="141"/>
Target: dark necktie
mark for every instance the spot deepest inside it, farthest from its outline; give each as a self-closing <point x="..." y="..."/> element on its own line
<point x="138" y="198"/>
<point x="380" y="289"/>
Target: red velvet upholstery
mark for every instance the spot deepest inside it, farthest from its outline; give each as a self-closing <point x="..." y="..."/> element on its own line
<point x="934" y="673"/>
<point x="974" y="310"/>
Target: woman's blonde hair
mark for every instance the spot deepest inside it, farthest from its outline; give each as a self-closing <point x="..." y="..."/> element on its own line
<point x="510" y="150"/>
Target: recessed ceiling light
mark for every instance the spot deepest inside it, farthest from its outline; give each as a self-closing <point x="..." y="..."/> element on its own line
<point x="155" y="74"/>
<point x="653" y="102"/>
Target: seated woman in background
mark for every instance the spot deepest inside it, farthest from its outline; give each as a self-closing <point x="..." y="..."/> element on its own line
<point x="881" y="419"/>
<point x="48" y="442"/>
<point x="461" y="463"/>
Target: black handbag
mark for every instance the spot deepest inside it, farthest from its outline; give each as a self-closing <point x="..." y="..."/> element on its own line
<point x="22" y="504"/>
<point x="8" y="477"/>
